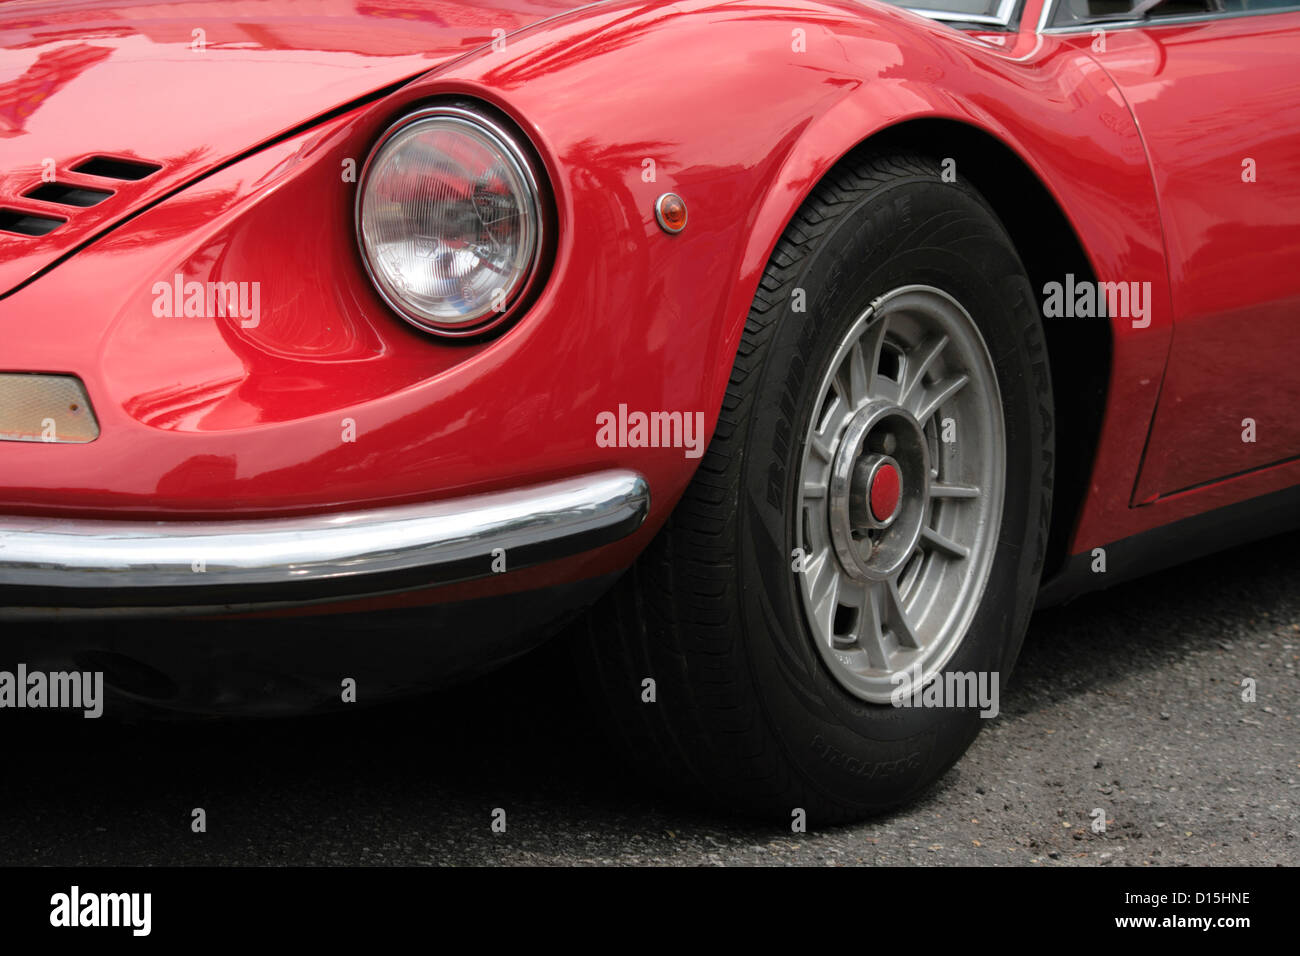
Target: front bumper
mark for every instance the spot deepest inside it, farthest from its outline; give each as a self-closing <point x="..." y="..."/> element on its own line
<point x="222" y="566"/>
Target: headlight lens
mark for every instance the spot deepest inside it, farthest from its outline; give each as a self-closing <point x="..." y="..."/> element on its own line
<point x="449" y="222"/>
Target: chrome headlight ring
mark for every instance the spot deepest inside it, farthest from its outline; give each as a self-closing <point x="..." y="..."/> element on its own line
<point x="450" y="220"/>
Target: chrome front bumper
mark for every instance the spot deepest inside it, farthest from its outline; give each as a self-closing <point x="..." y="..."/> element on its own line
<point x="52" y="562"/>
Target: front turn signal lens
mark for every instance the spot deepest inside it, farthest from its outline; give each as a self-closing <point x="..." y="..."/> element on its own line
<point x="48" y="408"/>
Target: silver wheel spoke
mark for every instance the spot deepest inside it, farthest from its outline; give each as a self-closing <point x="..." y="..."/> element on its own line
<point x="932" y="349"/>
<point x="938" y="542"/>
<point x="822" y="447"/>
<point x="872" y="346"/>
<point x="897" y="616"/>
<point x="827" y="603"/>
<point x="932" y="401"/>
<point x="870" y="629"/>
<point x="911" y="571"/>
<point x="820" y="569"/>
<point x="940" y="490"/>
<point x="858" y="387"/>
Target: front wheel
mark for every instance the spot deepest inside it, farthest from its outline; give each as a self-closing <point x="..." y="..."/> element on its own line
<point x="845" y="585"/>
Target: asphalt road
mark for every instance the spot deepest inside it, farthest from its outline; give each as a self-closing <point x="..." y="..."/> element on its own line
<point x="1128" y="701"/>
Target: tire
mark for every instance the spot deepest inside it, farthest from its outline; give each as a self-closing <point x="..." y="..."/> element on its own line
<point x="750" y="711"/>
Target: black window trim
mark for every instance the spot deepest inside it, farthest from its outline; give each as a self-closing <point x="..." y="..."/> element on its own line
<point x="1050" y="7"/>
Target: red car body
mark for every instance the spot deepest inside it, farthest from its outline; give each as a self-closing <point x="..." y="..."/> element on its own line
<point x="252" y="132"/>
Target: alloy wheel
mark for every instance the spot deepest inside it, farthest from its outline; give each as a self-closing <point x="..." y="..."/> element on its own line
<point x="901" y="492"/>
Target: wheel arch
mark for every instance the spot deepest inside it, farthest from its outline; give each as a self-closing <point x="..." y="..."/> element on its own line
<point x="1079" y="353"/>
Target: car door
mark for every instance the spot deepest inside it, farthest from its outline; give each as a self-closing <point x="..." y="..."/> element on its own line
<point x="1214" y="86"/>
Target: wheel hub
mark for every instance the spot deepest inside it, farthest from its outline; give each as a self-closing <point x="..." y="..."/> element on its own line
<point x="878" y="491"/>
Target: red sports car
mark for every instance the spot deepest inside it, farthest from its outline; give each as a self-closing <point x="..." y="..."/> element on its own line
<point x="803" y="348"/>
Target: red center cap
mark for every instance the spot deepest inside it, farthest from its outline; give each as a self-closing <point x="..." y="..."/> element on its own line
<point x="886" y="487"/>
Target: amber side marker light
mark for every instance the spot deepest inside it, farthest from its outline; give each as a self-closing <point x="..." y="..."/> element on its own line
<point x="46" y="408"/>
<point x="670" y="211"/>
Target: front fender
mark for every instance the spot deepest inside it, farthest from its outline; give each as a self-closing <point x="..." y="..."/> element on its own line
<point x="622" y="102"/>
<point x="742" y="108"/>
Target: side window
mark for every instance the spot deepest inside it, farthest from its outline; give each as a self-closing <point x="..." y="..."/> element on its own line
<point x="1077" y="12"/>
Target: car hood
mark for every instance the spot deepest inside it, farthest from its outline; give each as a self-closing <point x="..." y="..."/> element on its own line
<point x="187" y="86"/>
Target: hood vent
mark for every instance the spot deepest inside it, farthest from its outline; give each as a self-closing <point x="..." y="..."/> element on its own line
<point x="35" y="223"/>
<point x="27" y="223"/>
<point x="68" y="195"/>
<point x="107" y="167"/>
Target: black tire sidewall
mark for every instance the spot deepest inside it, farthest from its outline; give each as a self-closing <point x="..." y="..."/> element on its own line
<point x="912" y="230"/>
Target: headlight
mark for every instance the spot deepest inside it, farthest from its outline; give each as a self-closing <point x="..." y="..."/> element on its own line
<point x="449" y="221"/>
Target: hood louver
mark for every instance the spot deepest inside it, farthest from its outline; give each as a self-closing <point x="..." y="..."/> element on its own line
<point x="106" y="167"/>
<point x="37" y="222"/>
